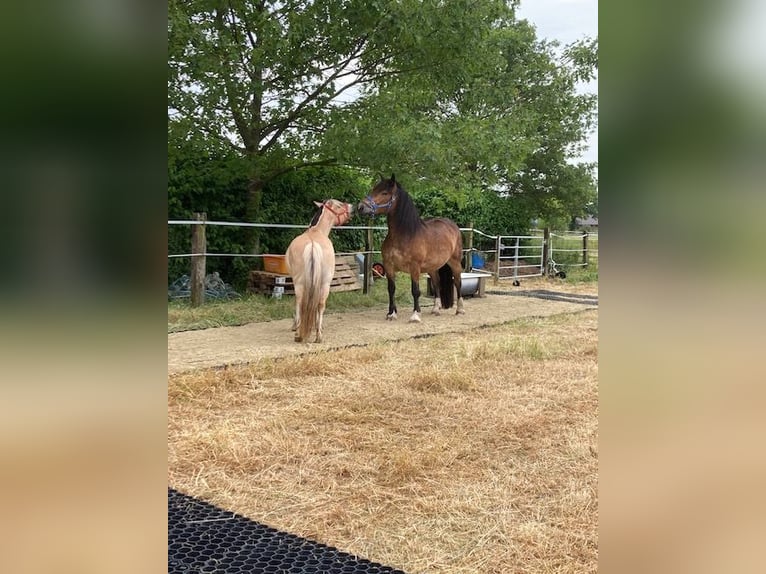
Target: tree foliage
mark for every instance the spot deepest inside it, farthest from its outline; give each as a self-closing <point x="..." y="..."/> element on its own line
<point x="458" y="97"/>
<point x="511" y="129"/>
<point x="209" y="178"/>
<point x="269" y="77"/>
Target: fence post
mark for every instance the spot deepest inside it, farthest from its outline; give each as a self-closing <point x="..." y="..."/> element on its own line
<point x="546" y="250"/>
<point x="198" y="245"/>
<point x="468" y="267"/>
<point x="585" y="248"/>
<point x="498" y="251"/>
<point x="367" y="262"/>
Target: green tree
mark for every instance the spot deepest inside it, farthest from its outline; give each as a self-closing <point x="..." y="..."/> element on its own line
<point x="459" y="98"/>
<point x="548" y="181"/>
<point x="509" y="127"/>
<point x="205" y="176"/>
<point x="268" y="78"/>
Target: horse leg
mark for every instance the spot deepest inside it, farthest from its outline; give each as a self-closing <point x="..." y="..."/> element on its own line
<point x="320" y="311"/>
<point x="297" y="315"/>
<point x="415" y="278"/>
<point x="436" y="285"/>
<point x="457" y="271"/>
<point x="391" y="292"/>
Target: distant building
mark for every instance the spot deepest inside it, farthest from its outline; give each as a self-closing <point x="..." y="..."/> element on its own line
<point x="589" y="222"/>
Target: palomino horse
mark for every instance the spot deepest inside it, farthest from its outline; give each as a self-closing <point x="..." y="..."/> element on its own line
<point x="414" y="245"/>
<point x="311" y="261"/>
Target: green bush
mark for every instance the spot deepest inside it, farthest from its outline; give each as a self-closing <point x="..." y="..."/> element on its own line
<point x="215" y="182"/>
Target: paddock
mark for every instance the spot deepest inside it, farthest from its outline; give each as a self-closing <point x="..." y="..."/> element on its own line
<point x="457" y="448"/>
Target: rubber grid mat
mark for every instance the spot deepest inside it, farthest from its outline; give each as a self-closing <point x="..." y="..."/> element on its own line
<point x="205" y="539"/>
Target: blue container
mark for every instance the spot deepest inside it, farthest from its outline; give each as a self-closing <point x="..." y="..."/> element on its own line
<point x="477" y="261"/>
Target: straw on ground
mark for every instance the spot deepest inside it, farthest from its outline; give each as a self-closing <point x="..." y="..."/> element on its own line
<point x="472" y="452"/>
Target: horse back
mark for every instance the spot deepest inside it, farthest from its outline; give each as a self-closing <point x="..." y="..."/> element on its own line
<point x="436" y="242"/>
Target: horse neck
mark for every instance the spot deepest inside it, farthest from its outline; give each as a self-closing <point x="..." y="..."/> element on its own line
<point x="325" y="223"/>
<point x="404" y="218"/>
<point x="393" y="222"/>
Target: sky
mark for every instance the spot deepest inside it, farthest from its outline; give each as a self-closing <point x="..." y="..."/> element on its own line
<point x="566" y="21"/>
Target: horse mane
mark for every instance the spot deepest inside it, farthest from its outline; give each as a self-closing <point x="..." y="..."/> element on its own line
<point x="316" y="217"/>
<point x="406" y="214"/>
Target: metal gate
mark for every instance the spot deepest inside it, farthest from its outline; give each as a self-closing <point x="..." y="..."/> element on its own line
<point x="519" y="256"/>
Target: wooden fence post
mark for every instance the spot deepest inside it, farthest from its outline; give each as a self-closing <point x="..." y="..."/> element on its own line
<point x="198" y="245"/>
<point x="546" y="250"/>
<point x="367" y="262"/>
<point x="585" y="248"/>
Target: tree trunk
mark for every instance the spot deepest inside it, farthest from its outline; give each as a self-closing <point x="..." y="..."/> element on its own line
<point x="253" y="213"/>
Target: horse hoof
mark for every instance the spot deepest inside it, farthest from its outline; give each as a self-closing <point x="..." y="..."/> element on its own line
<point x="436" y="312"/>
<point x="298" y="339"/>
<point x="460" y="312"/>
<point x="415" y="318"/>
<point x="391" y="317"/>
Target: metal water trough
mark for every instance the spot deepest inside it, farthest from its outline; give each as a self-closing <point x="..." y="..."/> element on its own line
<point x="472" y="284"/>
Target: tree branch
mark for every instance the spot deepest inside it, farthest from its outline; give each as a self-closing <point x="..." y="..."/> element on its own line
<point x="233" y="31"/>
<point x="283" y="124"/>
<point x="328" y="161"/>
<point x="239" y="120"/>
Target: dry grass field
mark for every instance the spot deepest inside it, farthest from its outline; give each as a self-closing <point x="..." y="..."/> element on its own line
<point x="456" y="453"/>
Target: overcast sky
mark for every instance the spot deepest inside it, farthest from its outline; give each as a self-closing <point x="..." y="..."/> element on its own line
<point x="566" y="21"/>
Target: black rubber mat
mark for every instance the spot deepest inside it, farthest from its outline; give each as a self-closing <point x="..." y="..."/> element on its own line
<point x="203" y="538"/>
<point x="551" y="296"/>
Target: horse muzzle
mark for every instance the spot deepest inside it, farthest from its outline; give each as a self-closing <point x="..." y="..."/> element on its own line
<point x="365" y="209"/>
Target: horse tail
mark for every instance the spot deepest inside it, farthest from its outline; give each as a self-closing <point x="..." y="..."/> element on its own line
<point x="446" y="287"/>
<point x="309" y="313"/>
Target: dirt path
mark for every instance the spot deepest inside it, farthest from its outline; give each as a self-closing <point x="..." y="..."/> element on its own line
<point x="231" y="345"/>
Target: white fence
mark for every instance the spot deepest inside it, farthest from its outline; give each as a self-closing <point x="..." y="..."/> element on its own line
<point x="510" y="256"/>
<point x="301" y="228"/>
<point x="571" y="249"/>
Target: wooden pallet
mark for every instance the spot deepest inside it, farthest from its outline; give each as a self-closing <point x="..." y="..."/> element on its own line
<point x="346" y="278"/>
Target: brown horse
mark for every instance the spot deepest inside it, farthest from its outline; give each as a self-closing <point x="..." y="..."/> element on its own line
<point x="414" y="245"/>
<point x="311" y="261"/>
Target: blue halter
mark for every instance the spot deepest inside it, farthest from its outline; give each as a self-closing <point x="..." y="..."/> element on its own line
<point x="375" y="206"/>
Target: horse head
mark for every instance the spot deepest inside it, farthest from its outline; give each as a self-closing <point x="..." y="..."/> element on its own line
<point x="342" y="211"/>
<point x="381" y="198"/>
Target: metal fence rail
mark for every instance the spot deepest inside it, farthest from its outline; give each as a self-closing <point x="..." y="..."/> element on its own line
<point x="571" y="249"/>
<point x="538" y="253"/>
<point x="301" y="228"/>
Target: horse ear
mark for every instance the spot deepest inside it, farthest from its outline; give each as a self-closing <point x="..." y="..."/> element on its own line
<point x="318" y="203"/>
<point x="393" y="178"/>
